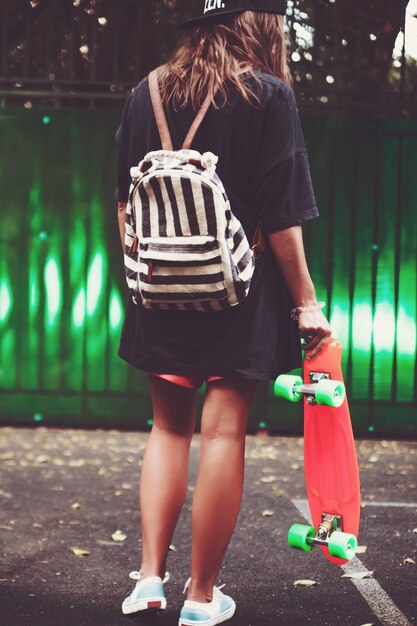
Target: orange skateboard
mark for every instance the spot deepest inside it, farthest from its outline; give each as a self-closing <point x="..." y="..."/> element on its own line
<point x="330" y="463"/>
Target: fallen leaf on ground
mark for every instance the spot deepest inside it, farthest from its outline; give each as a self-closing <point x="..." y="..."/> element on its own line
<point x="361" y="549"/>
<point x="105" y="542"/>
<point x="172" y="547"/>
<point x="76" y="462"/>
<point x="414" y="530"/>
<point x="119" y="536"/>
<point x="42" y="458"/>
<point x="269" y="479"/>
<point x="358" y="575"/>
<point x="76" y="505"/>
<point x="6" y="456"/>
<point x="267" y="513"/>
<point x="409" y="561"/>
<point x="80" y="552"/>
<point x="305" y="583"/>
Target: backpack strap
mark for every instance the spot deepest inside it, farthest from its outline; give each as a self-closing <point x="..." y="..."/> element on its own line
<point x="161" y="120"/>
<point x="258" y="241"/>
<point x="196" y="124"/>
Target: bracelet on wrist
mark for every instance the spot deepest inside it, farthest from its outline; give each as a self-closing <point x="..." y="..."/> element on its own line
<point x="295" y="312"/>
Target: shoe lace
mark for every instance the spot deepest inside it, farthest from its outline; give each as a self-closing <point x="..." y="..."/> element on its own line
<point x="138" y="575"/>
<point x="217" y="589"/>
<point x="187" y="584"/>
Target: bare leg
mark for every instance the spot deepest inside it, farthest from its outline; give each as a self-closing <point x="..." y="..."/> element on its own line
<point x="163" y="483"/>
<point x="218" y="492"/>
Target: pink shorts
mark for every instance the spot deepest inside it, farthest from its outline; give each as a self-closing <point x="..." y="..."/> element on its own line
<point x="191" y="381"/>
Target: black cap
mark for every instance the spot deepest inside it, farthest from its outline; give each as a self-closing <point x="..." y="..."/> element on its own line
<point x="217" y="8"/>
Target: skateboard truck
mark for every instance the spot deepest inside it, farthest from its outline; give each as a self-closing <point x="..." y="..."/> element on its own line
<point x="330" y="524"/>
<point x="310" y="390"/>
<point x="321" y="390"/>
<point x="329" y="533"/>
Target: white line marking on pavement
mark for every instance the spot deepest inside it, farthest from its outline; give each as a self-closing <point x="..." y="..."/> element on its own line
<point x="405" y="505"/>
<point x="378" y="600"/>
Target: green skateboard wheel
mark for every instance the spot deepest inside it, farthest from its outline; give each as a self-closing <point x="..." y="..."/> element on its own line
<point x="342" y="545"/>
<point x="330" y="392"/>
<point x="285" y="387"/>
<point x="299" y="537"/>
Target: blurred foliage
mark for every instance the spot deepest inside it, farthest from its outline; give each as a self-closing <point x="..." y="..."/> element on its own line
<point x="394" y="77"/>
<point x="353" y="40"/>
<point x="339" y="48"/>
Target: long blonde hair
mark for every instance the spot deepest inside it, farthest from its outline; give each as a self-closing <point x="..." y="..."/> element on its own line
<point x="212" y="56"/>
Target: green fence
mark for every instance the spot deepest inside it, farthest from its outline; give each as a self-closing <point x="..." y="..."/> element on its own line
<point x="62" y="288"/>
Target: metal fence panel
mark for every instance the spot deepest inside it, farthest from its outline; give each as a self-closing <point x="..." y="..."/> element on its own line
<point x="62" y="289"/>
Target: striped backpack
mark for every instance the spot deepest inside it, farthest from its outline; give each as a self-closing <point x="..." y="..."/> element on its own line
<point x="184" y="248"/>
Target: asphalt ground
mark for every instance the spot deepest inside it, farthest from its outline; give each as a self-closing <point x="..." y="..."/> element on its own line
<point x="66" y="489"/>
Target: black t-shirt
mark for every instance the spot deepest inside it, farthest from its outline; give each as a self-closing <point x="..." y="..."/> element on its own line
<point x="263" y="165"/>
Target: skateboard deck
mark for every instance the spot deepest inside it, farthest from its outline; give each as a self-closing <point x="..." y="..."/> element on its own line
<point x="330" y="462"/>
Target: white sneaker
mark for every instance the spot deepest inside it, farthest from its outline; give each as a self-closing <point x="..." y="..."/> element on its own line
<point x="220" y="609"/>
<point x="148" y="594"/>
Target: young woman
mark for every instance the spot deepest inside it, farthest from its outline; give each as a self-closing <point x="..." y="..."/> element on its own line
<point x="239" y="57"/>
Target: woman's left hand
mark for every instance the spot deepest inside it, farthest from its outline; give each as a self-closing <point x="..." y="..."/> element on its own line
<point x="315" y="330"/>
